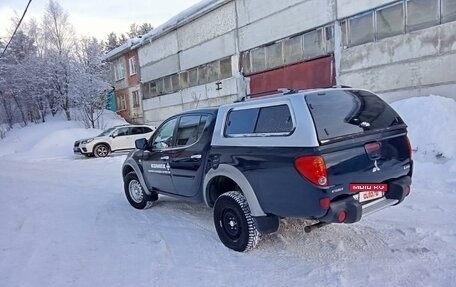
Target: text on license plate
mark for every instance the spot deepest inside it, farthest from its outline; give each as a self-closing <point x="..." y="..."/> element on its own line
<point x="369" y="195"/>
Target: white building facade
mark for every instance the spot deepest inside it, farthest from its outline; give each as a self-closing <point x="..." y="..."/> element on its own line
<point x="222" y="50"/>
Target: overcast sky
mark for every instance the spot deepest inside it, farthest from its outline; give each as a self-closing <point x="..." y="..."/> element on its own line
<point x="98" y="17"/>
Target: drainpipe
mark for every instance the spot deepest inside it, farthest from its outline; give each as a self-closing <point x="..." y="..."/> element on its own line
<point x="242" y="83"/>
<point x="338" y="45"/>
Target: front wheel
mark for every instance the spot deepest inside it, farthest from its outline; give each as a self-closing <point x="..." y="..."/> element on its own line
<point x="135" y="193"/>
<point x="101" y="150"/>
<point x="234" y="223"/>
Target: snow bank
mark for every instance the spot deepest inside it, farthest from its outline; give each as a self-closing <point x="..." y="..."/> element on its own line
<point x="432" y="125"/>
<point x="52" y="139"/>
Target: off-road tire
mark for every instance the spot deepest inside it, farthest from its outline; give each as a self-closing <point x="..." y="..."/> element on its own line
<point x="234" y="223"/>
<point x="101" y="150"/>
<point x="135" y="193"/>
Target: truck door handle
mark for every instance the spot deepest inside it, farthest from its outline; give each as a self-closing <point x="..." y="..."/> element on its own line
<point x="196" y="156"/>
<point x="165" y="157"/>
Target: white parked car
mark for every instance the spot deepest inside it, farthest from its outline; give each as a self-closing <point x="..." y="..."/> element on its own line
<point x="119" y="138"/>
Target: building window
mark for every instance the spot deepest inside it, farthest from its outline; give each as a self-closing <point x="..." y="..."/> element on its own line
<point x="119" y="73"/>
<point x="175" y="82"/>
<point x="153" y="89"/>
<point x="168" y="86"/>
<point x="132" y="64"/>
<point x="225" y="68"/>
<point x="274" y="55"/>
<point x="193" y="77"/>
<point x="202" y="75"/>
<point x="183" y="80"/>
<point x="329" y="38"/>
<point x="258" y="60"/>
<point x="422" y="14"/>
<point x="293" y="50"/>
<point x="160" y="86"/>
<point x="245" y="63"/>
<point x="146" y="91"/>
<point x="361" y="29"/>
<point x="121" y="102"/>
<point x="448" y="11"/>
<point x="136" y="100"/>
<point x="390" y="21"/>
<point x="213" y="71"/>
<point x="344" y="30"/>
<point x="313" y="44"/>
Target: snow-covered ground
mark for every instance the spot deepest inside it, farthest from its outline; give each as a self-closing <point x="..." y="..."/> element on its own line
<point x="64" y="221"/>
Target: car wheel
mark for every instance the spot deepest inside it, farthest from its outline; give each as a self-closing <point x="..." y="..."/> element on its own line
<point x="101" y="150"/>
<point x="135" y="193"/>
<point x="234" y="223"/>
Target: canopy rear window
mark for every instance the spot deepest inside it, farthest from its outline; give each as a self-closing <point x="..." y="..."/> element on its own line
<point x="341" y="113"/>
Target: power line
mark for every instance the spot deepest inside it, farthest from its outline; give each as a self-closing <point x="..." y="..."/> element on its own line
<point x="17" y="27"/>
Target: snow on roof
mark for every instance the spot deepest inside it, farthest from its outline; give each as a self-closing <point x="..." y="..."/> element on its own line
<point x="121" y="49"/>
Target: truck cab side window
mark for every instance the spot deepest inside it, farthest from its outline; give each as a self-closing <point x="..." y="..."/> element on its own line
<point x="163" y="138"/>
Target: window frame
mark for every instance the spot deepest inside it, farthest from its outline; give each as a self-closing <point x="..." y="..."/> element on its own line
<point x="122" y="103"/>
<point x="200" y="115"/>
<point x="119" y="71"/>
<point x="157" y="132"/>
<point x="135" y="94"/>
<point x="133" y="69"/>
<point x="376" y="23"/>
<point x="349" y="30"/>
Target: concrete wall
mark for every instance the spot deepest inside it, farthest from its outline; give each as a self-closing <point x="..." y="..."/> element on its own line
<point x="208" y="27"/>
<point x="206" y="39"/>
<point x="159" y="108"/>
<point x="209" y="51"/>
<point x="160" y="48"/>
<point x="265" y="21"/>
<point x="417" y="63"/>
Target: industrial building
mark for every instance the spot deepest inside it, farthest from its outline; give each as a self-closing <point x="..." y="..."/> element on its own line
<point x="219" y="51"/>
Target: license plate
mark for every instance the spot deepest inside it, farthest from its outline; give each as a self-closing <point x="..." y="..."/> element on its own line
<point x="369" y="195"/>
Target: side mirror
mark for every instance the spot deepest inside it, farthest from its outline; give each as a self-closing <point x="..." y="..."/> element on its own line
<point x="141" y="144"/>
<point x="113" y="136"/>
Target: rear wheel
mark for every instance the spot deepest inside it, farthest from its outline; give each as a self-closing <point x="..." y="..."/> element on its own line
<point x="101" y="150"/>
<point x="135" y="193"/>
<point x="234" y="223"/>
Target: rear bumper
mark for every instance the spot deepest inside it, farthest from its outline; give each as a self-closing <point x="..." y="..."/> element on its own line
<point x="397" y="191"/>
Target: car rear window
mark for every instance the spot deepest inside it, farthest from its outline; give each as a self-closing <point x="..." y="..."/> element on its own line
<point x="340" y="113"/>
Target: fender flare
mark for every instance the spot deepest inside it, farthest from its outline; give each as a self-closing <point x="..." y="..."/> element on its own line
<point x="134" y="165"/>
<point x="237" y="176"/>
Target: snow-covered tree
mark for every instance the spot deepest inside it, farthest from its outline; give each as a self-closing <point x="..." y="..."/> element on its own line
<point x="90" y="80"/>
<point x="59" y="36"/>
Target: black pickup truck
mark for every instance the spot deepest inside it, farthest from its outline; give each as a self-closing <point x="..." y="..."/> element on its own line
<point x="328" y="155"/>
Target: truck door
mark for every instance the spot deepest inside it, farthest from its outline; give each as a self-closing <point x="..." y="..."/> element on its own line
<point x="156" y="160"/>
<point x="189" y="154"/>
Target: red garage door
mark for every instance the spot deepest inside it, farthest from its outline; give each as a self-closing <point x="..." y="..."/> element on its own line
<point x="317" y="73"/>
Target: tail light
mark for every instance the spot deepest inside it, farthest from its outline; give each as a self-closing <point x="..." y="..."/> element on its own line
<point x="409" y="147"/>
<point x="313" y="168"/>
